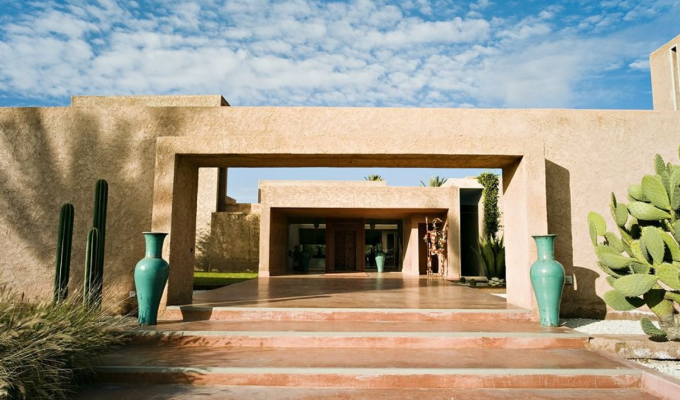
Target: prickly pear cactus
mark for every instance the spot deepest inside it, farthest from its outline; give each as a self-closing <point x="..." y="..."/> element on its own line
<point x="643" y="264"/>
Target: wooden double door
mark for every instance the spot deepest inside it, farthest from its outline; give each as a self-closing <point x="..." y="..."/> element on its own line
<point x="345" y="250"/>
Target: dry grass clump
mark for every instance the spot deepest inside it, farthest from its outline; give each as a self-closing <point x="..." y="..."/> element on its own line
<point x="47" y="349"/>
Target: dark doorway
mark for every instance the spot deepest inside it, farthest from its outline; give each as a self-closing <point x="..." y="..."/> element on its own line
<point x="470" y="231"/>
<point x="345" y="250"/>
<point x="344" y="245"/>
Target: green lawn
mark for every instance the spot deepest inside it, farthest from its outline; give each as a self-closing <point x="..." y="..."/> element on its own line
<point x="217" y="279"/>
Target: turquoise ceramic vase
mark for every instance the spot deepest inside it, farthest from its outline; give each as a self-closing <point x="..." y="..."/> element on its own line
<point x="380" y="259"/>
<point x="151" y="275"/>
<point x="547" y="279"/>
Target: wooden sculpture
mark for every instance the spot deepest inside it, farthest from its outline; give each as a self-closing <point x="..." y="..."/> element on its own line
<point x="435" y="240"/>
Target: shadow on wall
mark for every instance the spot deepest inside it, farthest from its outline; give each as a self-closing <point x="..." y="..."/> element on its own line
<point x="579" y="300"/>
<point x="52" y="156"/>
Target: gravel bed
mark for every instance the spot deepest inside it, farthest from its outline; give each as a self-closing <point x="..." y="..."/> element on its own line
<point x="667" y="367"/>
<point x="603" y="327"/>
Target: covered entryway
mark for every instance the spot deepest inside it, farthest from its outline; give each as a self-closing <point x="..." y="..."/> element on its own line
<point x="179" y="158"/>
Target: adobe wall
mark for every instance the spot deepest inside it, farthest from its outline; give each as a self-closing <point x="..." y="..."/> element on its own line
<point x="661" y="63"/>
<point x="234" y="242"/>
<point x="52" y="155"/>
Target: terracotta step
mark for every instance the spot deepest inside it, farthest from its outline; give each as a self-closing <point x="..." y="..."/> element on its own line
<point x="205" y="313"/>
<point x="368" y="368"/>
<point x="185" y="392"/>
<point x="362" y="334"/>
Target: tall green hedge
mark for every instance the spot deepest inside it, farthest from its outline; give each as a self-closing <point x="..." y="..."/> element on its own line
<point x="492" y="215"/>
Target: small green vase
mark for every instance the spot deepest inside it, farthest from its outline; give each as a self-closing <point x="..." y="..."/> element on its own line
<point x="547" y="279"/>
<point x="151" y="275"/>
<point x="380" y="260"/>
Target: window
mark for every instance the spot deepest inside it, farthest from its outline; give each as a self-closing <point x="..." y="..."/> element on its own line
<point x="675" y="76"/>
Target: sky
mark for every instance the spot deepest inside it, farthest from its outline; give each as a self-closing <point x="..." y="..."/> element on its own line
<point x="359" y="53"/>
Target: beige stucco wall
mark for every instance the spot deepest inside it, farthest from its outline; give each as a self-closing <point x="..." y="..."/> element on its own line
<point x="206" y="206"/>
<point x="235" y="242"/>
<point x="149" y="101"/>
<point x="52" y="155"/>
<point x="663" y="85"/>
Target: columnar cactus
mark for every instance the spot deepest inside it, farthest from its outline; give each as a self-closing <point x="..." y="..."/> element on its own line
<point x="644" y="263"/>
<point x="101" y="194"/>
<point x="63" y="263"/>
<point x="94" y="259"/>
<point x="91" y="291"/>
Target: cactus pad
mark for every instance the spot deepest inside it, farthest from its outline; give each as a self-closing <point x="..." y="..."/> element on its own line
<point x="611" y="280"/>
<point x="655" y="191"/>
<point x="673" y="296"/>
<point x="665" y="178"/>
<point x="651" y="330"/>
<point x="635" y="192"/>
<point x="673" y="247"/>
<point x="618" y="302"/>
<point x="614" y="242"/>
<point x="651" y="239"/>
<point x="611" y="258"/>
<point x="592" y="229"/>
<point x="638" y="253"/>
<point x="621" y="214"/>
<point x="640" y="268"/>
<point x="599" y="222"/>
<point x="634" y="285"/>
<point x="668" y="274"/>
<point x="646" y="212"/>
<point x="675" y="190"/>
<point x="656" y="301"/>
<point x="659" y="164"/>
<point x="608" y="270"/>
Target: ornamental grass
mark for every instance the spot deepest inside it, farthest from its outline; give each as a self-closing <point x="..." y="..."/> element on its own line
<point x="47" y="350"/>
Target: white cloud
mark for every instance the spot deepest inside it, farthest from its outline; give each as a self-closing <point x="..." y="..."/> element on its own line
<point x="480" y="5"/>
<point x="312" y="53"/>
<point x="640" y="64"/>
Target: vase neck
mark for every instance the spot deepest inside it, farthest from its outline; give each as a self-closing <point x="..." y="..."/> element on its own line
<point x="154" y="244"/>
<point x="545" y="247"/>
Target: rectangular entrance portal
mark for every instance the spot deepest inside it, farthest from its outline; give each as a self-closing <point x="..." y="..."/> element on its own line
<point x="345" y="245"/>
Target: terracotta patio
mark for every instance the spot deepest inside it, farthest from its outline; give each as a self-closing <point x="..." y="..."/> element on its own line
<point x="351" y="290"/>
<point x="362" y="336"/>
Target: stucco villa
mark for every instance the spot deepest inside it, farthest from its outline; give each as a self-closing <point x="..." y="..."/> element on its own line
<point x="166" y="159"/>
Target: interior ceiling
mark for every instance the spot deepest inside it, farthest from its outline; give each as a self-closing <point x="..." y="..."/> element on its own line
<point x="377" y="215"/>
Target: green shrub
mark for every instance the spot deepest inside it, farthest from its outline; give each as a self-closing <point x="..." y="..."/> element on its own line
<point x="643" y="264"/>
<point x="492" y="215"/>
<point x="491" y="256"/>
<point x="47" y="348"/>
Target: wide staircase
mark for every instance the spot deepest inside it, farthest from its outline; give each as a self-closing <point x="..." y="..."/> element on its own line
<point x="296" y="354"/>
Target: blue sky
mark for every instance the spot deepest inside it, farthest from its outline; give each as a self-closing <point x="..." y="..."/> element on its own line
<point x="413" y="53"/>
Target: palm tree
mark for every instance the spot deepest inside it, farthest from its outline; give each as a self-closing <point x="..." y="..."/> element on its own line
<point x="373" y="178"/>
<point x="435" y="181"/>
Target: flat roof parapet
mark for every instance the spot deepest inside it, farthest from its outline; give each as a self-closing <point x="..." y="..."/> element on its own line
<point x="150" y="101"/>
<point x="270" y="183"/>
